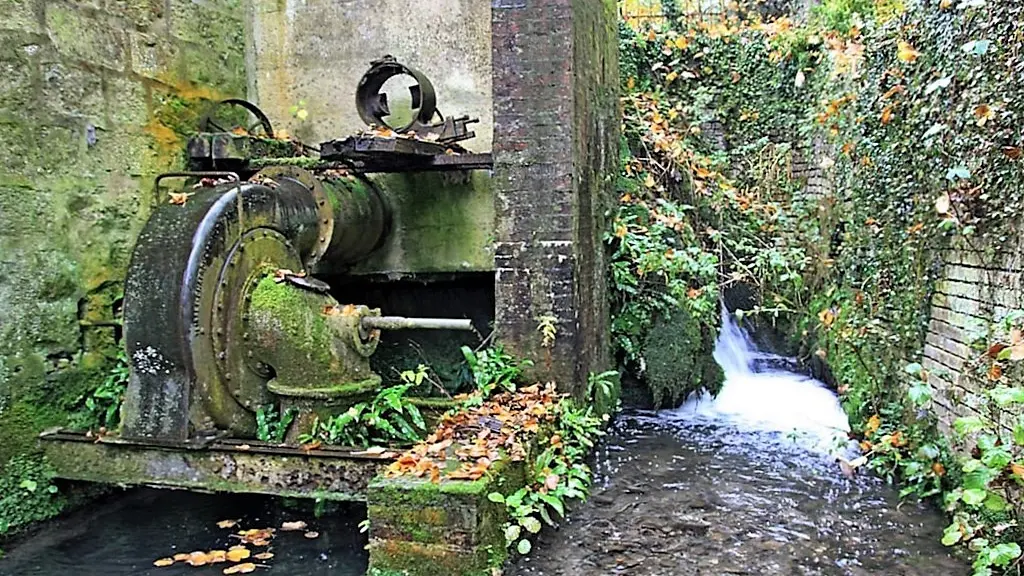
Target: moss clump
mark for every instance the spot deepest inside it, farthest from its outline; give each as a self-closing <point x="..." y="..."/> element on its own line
<point x="678" y="351"/>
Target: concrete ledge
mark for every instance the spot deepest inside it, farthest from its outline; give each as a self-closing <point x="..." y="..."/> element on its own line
<point x="222" y="466"/>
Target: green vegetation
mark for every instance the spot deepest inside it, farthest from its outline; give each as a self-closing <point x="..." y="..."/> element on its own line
<point x="272" y="426"/>
<point x="27" y="493"/>
<point x="832" y="165"/>
<point x="390" y="418"/>
<point x="100" y="409"/>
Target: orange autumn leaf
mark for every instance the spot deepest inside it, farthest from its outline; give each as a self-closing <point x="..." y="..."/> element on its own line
<point x="179" y="198"/>
<point x="227" y="523"/>
<point x="939" y="469"/>
<point x="887" y="115"/>
<point x="995" y="372"/>
<point x="264" y="556"/>
<point x="872" y="425"/>
<point x="983" y="113"/>
<point x="238" y="555"/>
<point x="163" y="562"/>
<point x="1017" y="470"/>
<point x="1012" y="152"/>
<point x="181" y="557"/>
<point x="240" y="568"/>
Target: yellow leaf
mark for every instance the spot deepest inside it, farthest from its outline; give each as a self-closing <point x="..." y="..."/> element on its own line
<point x="227" y="523"/>
<point x="905" y="52"/>
<point x="1017" y="470"/>
<point x="163" y="562"/>
<point x="652" y="35"/>
<point x="682" y="43"/>
<point x="240" y="568"/>
<point x="872" y="426"/>
<point x="631" y="83"/>
<point x="293" y="526"/>
<point x="264" y="556"/>
<point x="671" y="76"/>
<point x="238" y="554"/>
<point x="945" y="4"/>
<point x="649" y="181"/>
<point x="180" y="557"/>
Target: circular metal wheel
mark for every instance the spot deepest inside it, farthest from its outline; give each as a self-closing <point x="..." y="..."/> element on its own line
<point x="373" y="105"/>
<point x="227" y="115"/>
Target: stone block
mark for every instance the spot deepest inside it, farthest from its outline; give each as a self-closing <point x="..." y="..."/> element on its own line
<point x="69" y="90"/>
<point x="21" y="15"/>
<point x="84" y="38"/>
<point x="139" y="14"/>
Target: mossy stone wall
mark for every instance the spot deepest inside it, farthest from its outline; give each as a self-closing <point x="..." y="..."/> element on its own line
<point x="95" y="97"/>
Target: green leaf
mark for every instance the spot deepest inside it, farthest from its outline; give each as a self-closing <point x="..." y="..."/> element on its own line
<point x="555" y="503"/>
<point x="28" y="484"/>
<point x="994" y="502"/>
<point x="920" y="393"/>
<point x="951" y="535"/>
<point x="958" y="172"/>
<point x="512" y="532"/>
<point x="913" y="368"/>
<point x="496" y="497"/>
<point x="968" y="425"/>
<point x="524" y="547"/>
<point x="1002" y="554"/>
<point x="1005" y="395"/>
<point x="974" y="496"/>
<point x="531" y="524"/>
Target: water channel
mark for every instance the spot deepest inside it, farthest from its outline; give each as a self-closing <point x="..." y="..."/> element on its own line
<point x="744" y="483"/>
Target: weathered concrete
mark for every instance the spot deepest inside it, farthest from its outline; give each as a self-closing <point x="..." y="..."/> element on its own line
<point x="255" y="467"/>
<point x="315" y="51"/>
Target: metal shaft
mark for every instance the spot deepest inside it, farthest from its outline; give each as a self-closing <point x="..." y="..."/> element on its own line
<point x="402" y="323"/>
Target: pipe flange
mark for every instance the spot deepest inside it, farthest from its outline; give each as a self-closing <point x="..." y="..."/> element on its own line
<point x="243" y="377"/>
<point x="325" y="209"/>
<point x="373" y="106"/>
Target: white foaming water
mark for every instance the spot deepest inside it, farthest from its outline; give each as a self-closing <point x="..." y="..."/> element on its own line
<point x="767" y="400"/>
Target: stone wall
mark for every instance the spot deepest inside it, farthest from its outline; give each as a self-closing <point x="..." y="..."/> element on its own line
<point x="94" y="98"/>
<point x="977" y="287"/>
<point x="556" y="125"/>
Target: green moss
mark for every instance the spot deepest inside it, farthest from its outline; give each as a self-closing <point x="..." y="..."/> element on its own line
<point x="281" y="303"/>
<point x="26" y="493"/>
<point x="678" y="351"/>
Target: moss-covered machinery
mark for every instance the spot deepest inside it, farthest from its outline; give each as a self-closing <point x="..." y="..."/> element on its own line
<point x="225" y="311"/>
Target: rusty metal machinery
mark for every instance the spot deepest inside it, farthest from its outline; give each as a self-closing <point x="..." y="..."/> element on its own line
<point x="219" y="320"/>
<point x="221" y="316"/>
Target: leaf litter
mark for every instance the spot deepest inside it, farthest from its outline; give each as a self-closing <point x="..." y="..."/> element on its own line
<point x="252" y="537"/>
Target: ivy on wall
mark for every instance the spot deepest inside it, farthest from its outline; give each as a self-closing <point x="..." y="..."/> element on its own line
<point x="912" y="112"/>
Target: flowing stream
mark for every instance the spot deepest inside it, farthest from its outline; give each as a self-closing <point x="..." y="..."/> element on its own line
<point x="744" y="483"/>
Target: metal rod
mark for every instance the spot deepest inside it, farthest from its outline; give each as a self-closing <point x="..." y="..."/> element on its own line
<point x="401" y="323"/>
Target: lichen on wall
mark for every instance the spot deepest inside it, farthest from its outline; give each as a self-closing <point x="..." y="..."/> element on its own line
<point x="95" y="98"/>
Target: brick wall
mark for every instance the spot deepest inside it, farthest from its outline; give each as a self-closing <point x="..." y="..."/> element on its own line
<point x="93" y="95"/>
<point x="977" y="287"/>
<point x="556" y="125"/>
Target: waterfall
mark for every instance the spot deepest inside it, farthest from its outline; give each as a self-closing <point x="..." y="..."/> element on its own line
<point x="758" y="397"/>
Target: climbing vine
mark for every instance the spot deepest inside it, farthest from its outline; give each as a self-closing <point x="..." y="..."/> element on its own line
<point x="833" y="165"/>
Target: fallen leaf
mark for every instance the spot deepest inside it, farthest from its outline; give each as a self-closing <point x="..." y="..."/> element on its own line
<point x="238" y="554"/>
<point x="264" y="556"/>
<point x="872" y="425"/>
<point x="163" y="562"/>
<point x="905" y="52"/>
<point x="311" y="535"/>
<point x="227" y="523"/>
<point x="942" y="203"/>
<point x="293" y="526"/>
<point x="240" y="568"/>
<point x="886" y="115"/>
<point x="180" y="557"/>
<point x="1017" y="470"/>
<point x="939" y="469"/>
<point x="198" y="558"/>
<point x="1012" y="152"/>
<point x="179" y="198"/>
